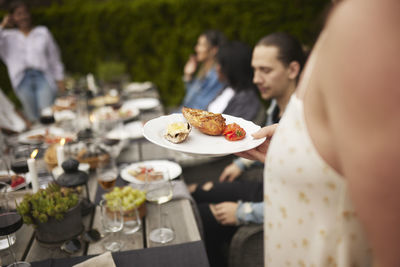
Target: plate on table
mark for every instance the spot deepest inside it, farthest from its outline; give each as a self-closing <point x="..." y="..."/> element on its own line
<point x="64" y="115"/>
<point x="128" y="112"/>
<point x="104" y="100"/>
<point x="134" y="173"/>
<point x="19" y="186"/>
<point x="132" y="130"/>
<point x="107" y="113"/>
<point x="144" y="103"/>
<point x="198" y="143"/>
<point x="35" y="136"/>
<point x="27" y="182"/>
<point x="50" y="136"/>
<point x="137" y="87"/>
<point x="64" y="103"/>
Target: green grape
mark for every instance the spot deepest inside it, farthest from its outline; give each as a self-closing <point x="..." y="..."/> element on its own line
<point x="128" y="197"/>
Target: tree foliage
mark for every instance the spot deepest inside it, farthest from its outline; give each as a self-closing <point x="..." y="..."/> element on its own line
<point x="153" y="39"/>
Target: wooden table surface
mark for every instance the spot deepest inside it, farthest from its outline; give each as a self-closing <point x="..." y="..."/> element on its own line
<point x="180" y="215"/>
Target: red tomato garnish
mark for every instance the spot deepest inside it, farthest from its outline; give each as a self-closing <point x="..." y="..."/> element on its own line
<point x="17" y="180"/>
<point x="234" y="132"/>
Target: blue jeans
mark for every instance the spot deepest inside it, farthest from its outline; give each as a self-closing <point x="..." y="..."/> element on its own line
<point x="35" y="93"/>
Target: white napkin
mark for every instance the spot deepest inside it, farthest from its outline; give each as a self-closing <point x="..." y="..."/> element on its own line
<point x="103" y="260"/>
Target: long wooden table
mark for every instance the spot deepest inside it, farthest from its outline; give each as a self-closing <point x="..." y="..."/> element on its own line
<point x="180" y="215"/>
<point x="180" y="218"/>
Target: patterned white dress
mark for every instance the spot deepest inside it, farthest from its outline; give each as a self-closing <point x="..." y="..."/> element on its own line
<point x="309" y="218"/>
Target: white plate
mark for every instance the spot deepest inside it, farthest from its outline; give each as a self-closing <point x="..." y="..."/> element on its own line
<point x="136" y="87"/>
<point x="132" y="130"/>
<point x="174" y="169"/>
<point x="64" y="115"/>
<point x="199" y="143"/>
<point x="134" y="111"/>
<point x="107" y="113"/>
<point x="24" y="137"/>
<point x="144" y="103"/>
<point x="27" y="181"/>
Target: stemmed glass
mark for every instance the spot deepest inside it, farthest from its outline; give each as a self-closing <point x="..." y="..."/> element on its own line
<point x="159" y="191"/>
<point x="10" y="222"/>
<point x="112" y="219"/>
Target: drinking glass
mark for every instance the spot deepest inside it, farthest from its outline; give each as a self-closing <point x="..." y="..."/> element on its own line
<point x="10" y="222"/>
<point x="112" y="219"/>
<point x="107" y="175"/>
<point x="132" y="221"/>
<point x="159" y="191"/>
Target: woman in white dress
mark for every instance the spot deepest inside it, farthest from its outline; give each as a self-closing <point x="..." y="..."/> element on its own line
<point x="332" y="167"/>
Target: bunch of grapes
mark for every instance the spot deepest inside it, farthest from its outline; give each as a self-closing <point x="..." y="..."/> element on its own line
<point x="127" y="197"/>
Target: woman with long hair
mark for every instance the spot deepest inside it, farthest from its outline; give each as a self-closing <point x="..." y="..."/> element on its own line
<point x="200" y="75"/>
<point x="240" y="97"/>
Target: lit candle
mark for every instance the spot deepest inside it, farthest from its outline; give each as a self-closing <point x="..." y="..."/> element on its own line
<point x="95" y="122"/>
<point x="33" y="172"/>
<point x="60" y="152"/>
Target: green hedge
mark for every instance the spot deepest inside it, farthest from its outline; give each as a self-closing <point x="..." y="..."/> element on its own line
<point x="154" y="38"/>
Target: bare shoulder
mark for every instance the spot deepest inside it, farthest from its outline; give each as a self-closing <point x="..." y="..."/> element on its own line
<point x="358" y="75"/>
<point x="358" y="72"/>
<point x="362" y="49"/>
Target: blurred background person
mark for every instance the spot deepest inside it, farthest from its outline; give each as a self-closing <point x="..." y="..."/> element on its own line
<point x="277" y="61"/>
<point x="240" y="97"/>
<point x="11" y="121"/>
<point x="200" y="75"/>
<point x="276" y="82"/>
<point x="32" y="58"/>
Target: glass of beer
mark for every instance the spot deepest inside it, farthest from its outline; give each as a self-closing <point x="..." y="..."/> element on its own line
<point x="107" y="175"/>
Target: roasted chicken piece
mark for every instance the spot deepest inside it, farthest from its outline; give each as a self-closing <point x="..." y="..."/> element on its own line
<point x="207" y="122"/>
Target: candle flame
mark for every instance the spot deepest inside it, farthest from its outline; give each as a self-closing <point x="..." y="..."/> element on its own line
<point x="34" y="153"/>
<point x="92" y="118"/>
<point x="62" y="141"/>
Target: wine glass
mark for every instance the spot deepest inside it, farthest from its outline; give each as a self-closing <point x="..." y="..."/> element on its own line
<point x="112" y="219"/>
<point x="107" y="175"/>
<point x="159" y="191"/>
<point x="10" y="222"/>
<point x="4" y="188"/>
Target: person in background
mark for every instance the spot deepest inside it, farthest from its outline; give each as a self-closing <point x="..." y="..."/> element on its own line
<point x="277" y="61"/>
<point x="240" y="97"/>
<point x="332" y="164"/>
<point x="200" y="75"/>
<point x="32" y="58"/>
<point x="11" y="121"/>
<point x="272" y="84"/>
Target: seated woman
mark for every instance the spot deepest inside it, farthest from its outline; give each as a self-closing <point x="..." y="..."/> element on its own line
<point x="240" y="97"/>
<point x="200" y="75"/>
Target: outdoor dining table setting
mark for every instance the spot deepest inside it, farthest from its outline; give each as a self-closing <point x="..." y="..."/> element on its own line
<point x="122" y="199"/>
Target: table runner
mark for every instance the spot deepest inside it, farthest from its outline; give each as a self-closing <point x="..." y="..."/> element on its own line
<point x="191" y="254"/>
